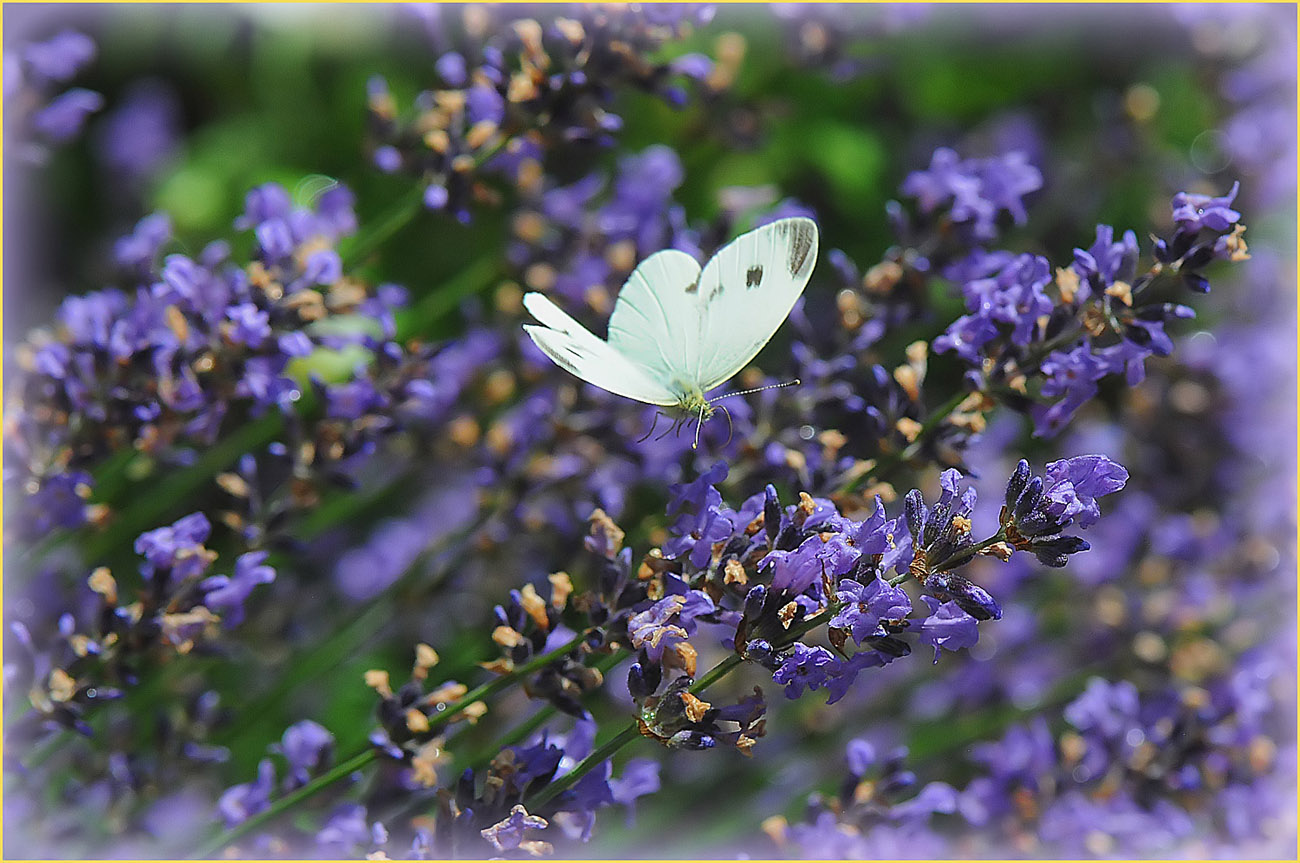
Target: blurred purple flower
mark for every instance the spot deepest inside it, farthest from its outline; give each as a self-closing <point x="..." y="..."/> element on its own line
<point x="63" y="118"/>
<point x="60" y="57"/>
<point x="241" y="802"/>
<point x="178" y="547"/>
<point x="139" y="135"/>
<point x="307" y="747"/>
<point x="229" y="593"/>
<point x="975" y="190"/>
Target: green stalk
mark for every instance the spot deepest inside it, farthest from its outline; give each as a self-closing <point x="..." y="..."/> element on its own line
<point x="379" y="230"/>
<point x="523" y="730"/>
<point x="633" y="730"/>
<point x="293" y="798"/>
<point x="407" y="208"/>
<point x="360" y="759"/>
<point x="966" y="554"/>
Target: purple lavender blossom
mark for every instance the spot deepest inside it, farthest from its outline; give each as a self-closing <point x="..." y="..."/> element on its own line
<point x="60" y="57"/>
<point x="975" y="190"/>
<point x="805" y="668"/>
<point x="1073" y="485"/>
<point x="141" y="134"/>
<point x="241" y="802"/>
<point x="1194" y="213"/>
<point x="947" y="627"/>
<point x="178" y="547"/>
<point x="306" y="745"/>
<point x="508" y="834"/>
<point x="63" y="118"/>
<point x="866" y="605"/>
<point x="229" y="593"/>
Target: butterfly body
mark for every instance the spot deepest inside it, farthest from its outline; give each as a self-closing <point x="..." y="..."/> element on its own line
<point x="678" y="331"/>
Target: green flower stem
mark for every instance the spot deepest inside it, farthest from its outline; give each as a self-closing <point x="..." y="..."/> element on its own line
<point x="407" y="207"/>
<point x="600" y="756"/>
<point x="633" y="730"/>
<point x="288" y="801"/>
<point x="379" y="230"/>
<point x="360" y="759"/>
<point x="436" y="305"/>
<point x="966" y="554"/>
<point x="523" y="730"/>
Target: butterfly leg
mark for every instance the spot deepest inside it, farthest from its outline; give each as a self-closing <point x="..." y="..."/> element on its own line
<point x="676" y="426"/>
<point x="645" y="436"/>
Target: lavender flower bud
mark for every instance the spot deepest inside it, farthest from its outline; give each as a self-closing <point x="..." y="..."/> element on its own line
<point x="771" y="515"/>
<point x="970" y="597"/>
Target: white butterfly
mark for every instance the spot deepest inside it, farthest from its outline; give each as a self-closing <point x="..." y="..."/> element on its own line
<point x="678" y="332"/>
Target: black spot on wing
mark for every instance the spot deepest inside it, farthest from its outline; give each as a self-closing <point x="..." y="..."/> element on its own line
<point x="800" y="235"/>
<point x="693" y="287"/>
<point x="754" y="277"/>
<point x="716" y="292"/>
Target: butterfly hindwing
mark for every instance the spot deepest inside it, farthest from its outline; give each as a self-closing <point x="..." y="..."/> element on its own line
<point x="573" y="348"/>
<point x="746" y="291"/>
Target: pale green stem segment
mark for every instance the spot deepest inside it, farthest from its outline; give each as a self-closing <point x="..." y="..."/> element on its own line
<point x="360" y="759"/>
<point x="633" y="730"/>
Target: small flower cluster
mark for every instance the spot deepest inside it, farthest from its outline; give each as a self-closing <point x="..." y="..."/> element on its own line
<point x="1017" y="333"/>
<point x="769" y="574"/>
<point x="1134" y="775"/>
<point x="971" y="194"/>
<point x="108" y="644"/>
<point x="33" y="71"/>
<point x="872" y="815"/>
<point x="489" y="817"/>
<point x="479" y="813"/>
<point x="307" y="749"/>
<point x="582" y="240"/>
<point x="518" y="84"/>
<point x="196" y="344"/>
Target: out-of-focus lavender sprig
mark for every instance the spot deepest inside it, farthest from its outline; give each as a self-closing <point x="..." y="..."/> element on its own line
<point x="1253" y="56"/>
<point x="1160" y="773"/>
<point x="93" y="655"/>
<point x="515" y="82"/>
<point x="139" y="136"/>
<point x="192" y="345"/>
<point x="37" y="115"/>
<point x="825" y="37"/>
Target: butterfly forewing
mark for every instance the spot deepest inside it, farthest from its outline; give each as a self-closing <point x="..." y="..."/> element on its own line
<point x="655" y="314"/>
<point x="573" y="348"/>
<point x="746" y="291"/>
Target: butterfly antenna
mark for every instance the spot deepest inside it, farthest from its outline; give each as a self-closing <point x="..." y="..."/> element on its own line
<point x="793" y="383"/>
<point x="652" y="427"/>
<point x="699" y="423"/>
